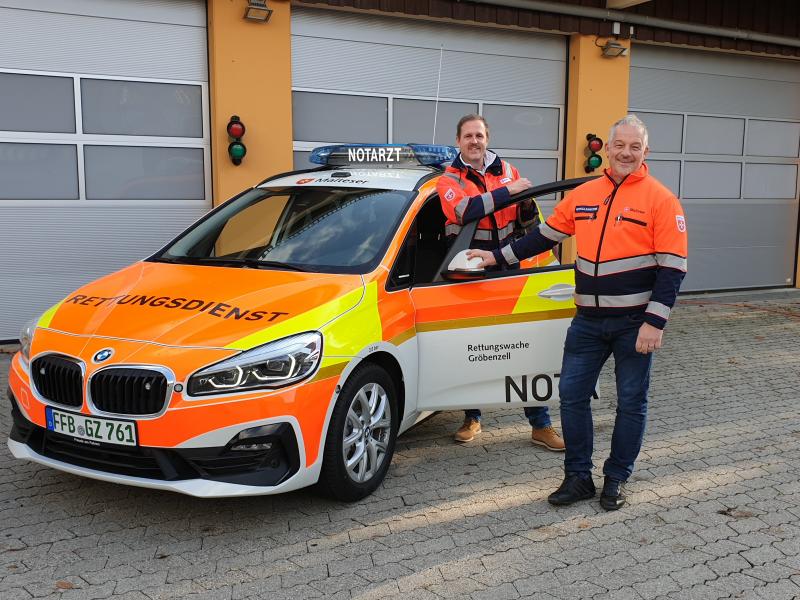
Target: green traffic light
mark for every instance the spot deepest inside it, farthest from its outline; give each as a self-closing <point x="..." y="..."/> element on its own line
<point x="236" y="150"/>
<point x="595" y="161"/>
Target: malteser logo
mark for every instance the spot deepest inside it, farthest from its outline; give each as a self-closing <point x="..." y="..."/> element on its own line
<point x="681" y="223"/>
<point x="302" y="181"/>
<point x="213" y="308"/>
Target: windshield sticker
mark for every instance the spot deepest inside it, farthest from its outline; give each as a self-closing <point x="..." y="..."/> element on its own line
<point x="302" y="181"/>
<point x="341" y="180"/>
<point x="213" y="308"/>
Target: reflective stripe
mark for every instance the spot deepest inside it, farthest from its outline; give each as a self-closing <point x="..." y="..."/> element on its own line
<point x="552" y="234"/>
<point x="509" y="255"/>
<point x="452" y="229"/>
<point x="509" y="173"/>
<point x="658" y="309"/>
<point x="488" y="202"/>
<point x="671" y="261"/>
<point x="620" y="265"/>
<point x="584" y="266"/>
<point x="460" y="208"/>
<point x="455" y="177"/>
<point x="623" y="301"/>
<point x="484" y="235"/>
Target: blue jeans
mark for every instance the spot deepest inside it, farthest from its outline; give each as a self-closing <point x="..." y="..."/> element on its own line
<point x="589" y="343"/>
<point x="538" y="416"/>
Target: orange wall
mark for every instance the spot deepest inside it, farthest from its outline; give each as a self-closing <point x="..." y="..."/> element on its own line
<point x="597" y="97"/>
<point x="250" y="75"/>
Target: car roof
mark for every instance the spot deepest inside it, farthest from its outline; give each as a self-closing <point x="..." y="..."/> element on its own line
<point x="407" y="179"/>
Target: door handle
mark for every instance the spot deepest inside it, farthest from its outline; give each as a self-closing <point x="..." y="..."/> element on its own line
<point x="559" y="292"/>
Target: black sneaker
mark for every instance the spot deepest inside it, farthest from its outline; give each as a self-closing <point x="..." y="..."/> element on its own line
<point x="613" y="495"/>
<point x="573" y="488"/>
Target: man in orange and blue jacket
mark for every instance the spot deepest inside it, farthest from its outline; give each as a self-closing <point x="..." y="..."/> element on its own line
<point x="475" y="184"/>
<point x="631" y="241"/>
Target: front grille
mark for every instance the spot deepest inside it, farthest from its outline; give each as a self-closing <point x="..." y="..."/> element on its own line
<point x="128" y="391"/>
<point x="58" y="379"/>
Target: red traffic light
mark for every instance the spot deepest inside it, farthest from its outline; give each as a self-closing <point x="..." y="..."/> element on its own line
<point x="595" y="143"/>
<point x="235" y="128"/>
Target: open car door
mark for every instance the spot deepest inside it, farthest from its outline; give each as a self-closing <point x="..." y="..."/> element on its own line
<point x="493" y="338"/>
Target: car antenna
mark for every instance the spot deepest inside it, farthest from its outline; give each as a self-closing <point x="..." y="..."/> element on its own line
<point x="438" y="81"/>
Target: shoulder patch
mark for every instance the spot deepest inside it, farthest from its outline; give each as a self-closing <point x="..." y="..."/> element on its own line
<point x="681" y="222"/>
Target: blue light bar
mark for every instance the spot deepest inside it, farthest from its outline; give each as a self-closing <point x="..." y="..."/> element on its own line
<point x="386" y="155"/>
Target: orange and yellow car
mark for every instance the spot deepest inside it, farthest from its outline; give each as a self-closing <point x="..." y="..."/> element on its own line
<point x="287" y="338"/>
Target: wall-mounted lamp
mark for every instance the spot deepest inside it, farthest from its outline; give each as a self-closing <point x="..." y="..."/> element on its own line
<point x="257" y="10"/>
<point x="613" y="49"/>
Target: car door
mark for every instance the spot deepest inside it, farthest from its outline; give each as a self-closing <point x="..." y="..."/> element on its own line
<point x="493" y="341"/>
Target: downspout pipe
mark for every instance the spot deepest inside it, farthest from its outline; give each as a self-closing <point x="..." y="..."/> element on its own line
<point x="643" y="20"/>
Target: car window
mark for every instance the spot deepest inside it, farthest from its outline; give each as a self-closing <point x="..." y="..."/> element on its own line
<point x="344" y="230"/>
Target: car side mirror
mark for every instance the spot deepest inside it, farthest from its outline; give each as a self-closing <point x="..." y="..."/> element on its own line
<point x="462" y="268"/>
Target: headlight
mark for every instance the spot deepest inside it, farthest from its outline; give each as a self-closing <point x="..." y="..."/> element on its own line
<point x="274" y="365"/>
<point x="25" y="339"/>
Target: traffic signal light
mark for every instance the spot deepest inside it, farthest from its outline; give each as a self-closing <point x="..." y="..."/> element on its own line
<point x="594" y="145"/>
<point x="236" y="149"/>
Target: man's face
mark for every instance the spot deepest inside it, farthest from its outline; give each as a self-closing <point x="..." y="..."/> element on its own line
<point x="473" y="141"/>
<point x="626" y="152"/>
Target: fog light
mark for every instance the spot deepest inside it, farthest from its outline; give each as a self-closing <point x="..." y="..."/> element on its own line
<point x="255" y="439"/>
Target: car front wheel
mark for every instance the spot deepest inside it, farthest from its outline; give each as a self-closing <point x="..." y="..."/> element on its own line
<point x="361" y="435"/>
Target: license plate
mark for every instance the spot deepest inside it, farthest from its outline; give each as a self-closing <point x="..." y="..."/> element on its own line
<point x="92" y="429"/>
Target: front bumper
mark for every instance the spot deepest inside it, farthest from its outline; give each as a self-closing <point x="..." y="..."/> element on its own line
<point x="205" y="472"/>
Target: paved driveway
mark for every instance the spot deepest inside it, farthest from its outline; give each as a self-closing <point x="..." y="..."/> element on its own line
<point x="714" y="511"/>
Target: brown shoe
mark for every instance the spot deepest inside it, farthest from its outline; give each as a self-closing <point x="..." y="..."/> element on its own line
<point x="547" y="437"/>
<point x="468" y="431"/>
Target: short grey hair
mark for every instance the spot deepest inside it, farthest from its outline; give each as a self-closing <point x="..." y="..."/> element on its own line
<point x="632" y="120"/>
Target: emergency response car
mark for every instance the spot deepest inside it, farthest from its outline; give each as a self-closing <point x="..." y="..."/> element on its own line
<point x="288" y="338"/>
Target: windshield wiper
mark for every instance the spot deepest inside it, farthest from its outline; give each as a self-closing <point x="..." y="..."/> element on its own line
<point x="250" y="263"/>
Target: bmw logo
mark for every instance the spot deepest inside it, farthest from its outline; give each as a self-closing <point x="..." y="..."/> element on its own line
<point x="103" y="355"/>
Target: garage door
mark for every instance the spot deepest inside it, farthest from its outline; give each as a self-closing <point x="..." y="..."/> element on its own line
<point x="725" y="136"/>
<point x="366" y="78"/>
<point x="104" y="147"/>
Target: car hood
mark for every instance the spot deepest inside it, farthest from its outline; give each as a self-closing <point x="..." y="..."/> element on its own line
<point x="204" y="306"/>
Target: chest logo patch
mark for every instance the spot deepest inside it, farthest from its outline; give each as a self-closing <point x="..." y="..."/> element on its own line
<point x="587" y="209"/>
<point x="449" y="195"/>
<point x="681" y="222"/>
<point x="505" y="180"/>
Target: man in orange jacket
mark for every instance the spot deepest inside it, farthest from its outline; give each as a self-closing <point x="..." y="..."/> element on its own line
<point x="477" y="183"/>
<point x="631" y="240"/>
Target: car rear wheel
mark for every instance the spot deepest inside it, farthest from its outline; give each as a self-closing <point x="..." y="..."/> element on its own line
<point x="361" y="435"/>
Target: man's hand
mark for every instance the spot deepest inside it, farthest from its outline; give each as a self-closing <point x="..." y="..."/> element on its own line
<point x="649" y="338"/>
<point x="487" y="258"/>
<point x="519" y="185"/>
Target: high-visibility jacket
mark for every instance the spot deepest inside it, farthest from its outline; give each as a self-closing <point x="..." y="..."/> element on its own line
<point x="467" y="195"/>
<point x="631" y="245"/>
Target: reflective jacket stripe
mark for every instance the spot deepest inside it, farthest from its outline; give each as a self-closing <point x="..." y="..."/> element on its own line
<point x="616" y="266"/>
<point x="509" y="255"/>
<point x="672" y="261"/>
<point x="658" y="309"/>
<point x="623" y="301"/>
<point x="481" y="234"/>
<point x="552" y="234"/>
<point x="456" y="178"/>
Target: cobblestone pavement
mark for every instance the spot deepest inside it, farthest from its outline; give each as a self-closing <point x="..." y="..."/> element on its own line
<point x="714" y="508"/>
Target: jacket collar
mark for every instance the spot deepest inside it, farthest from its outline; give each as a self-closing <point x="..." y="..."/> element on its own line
<point x="492" y="163"/>
<point x="638" y="175"/>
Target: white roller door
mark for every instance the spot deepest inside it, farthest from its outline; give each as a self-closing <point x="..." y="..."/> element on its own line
<point x="373" y="79"/>
<point x="104" y="144"/>
<point x="725" y="136"/>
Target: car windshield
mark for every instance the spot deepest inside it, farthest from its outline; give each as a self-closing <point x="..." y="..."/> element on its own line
<point x="339" y="230"/>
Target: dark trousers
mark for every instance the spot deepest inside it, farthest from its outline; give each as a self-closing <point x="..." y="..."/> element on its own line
<point x="589" y="343"/>
<point x="538" y="416"/>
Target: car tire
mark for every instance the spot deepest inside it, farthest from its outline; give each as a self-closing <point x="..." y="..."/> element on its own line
<point x="361" y="435"/>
